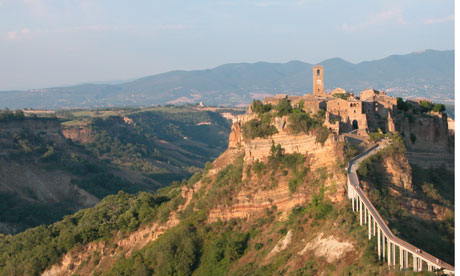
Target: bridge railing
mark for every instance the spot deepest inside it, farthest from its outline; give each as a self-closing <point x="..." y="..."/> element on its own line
<point x="356" y="193"/>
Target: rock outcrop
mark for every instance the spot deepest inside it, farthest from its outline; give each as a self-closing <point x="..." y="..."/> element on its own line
<point x="80" y="134"/>
<point x="254" y="199"/>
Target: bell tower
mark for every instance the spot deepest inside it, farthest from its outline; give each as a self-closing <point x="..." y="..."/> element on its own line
<point x="318" y="80"/>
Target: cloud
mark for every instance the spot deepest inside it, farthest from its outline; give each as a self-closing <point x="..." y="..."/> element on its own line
<point x="11" y="35"/>
<point x="394" y="16"/>
<point x="15" y="35"/>
<point x="439" y="20"/>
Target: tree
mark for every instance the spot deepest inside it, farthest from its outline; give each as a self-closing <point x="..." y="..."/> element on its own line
<point x="426" y="106"/>
<point x="439" y="108"/>
<point x="402" y="105"/>
<point x="260" y="108"/>
<point x="284" y="107"/>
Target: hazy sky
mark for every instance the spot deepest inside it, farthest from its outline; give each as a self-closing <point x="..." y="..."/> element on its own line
<point x="46" y="43"/>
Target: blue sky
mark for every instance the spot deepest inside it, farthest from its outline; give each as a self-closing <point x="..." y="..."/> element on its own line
<point x="47" y="43"/>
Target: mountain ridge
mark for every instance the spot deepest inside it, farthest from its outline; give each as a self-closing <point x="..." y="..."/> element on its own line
<point x="428" y="74"/>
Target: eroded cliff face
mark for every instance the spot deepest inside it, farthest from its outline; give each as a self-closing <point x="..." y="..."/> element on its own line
<point x="80" y="134"/>
<point x="320" y="155"/>
<point x="429" y="140"/>
<point x="47" y="127"/>
<point x="395" y="173"/>
<point x="262" y="192"/>
<point x="37" y="185"/>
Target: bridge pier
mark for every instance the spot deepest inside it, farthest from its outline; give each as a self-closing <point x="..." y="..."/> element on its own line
<point x="401" y="257"/>
<point x="406" y="262"/>
<point x="389" y="252"/>
<point x="360" y="212"/>
<point x="378" y="242"/>
<point x="353" y="202"/>
<point x="365" y="215"/>
<point x="394" y="254"/>
<point x="383" y="246"/>
<point x="374" y="226"/>
<point x="414" y="258"/>
<point x="369" y="224"/>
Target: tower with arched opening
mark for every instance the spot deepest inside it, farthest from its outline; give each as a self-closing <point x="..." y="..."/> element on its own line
<point x="318" y="80"/>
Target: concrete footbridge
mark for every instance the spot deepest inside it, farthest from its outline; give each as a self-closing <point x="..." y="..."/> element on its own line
<point x="387" y="242"/>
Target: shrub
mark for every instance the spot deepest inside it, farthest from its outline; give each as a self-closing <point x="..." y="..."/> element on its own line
<point x="259" y="128"/>
<point x="350" y="151"/>
<point x="301" y="122"/>
<point x="258" y="167"/>
<point x="426" y="106"/>
<point x="402" y="105"/>
<point x="295" y="182"/>
<point x="293" y="160"/>
<point x="260" y="108"/>
<point x="375" y="136"/>
<point x="276" y="153"/>
<point x="322" y="133"/>
<point x="344" y="96"/>
<point x="439" y="108"/>
<point x="284" y="107"/>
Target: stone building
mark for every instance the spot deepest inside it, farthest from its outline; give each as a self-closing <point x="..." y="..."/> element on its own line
<point x="372" y="111"/>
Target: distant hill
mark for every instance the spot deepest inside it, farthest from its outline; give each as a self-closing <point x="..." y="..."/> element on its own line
<point x="427" y="74"/>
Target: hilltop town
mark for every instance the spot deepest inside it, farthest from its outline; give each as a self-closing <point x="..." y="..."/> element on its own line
<point x="276" y="201"/>
<point x="370" y="111"/>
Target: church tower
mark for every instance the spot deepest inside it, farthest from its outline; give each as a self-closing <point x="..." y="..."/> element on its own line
<point x="318" y="80"/>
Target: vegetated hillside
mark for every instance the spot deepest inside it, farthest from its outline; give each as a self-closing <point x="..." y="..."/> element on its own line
<point x="274" y="203"/>
<point x="44" y="176"/>
<point x="164" y="143"/>
<point x="427" y="74"/>
<point x="417" y="202"/>
<point x="120" y="236"/>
